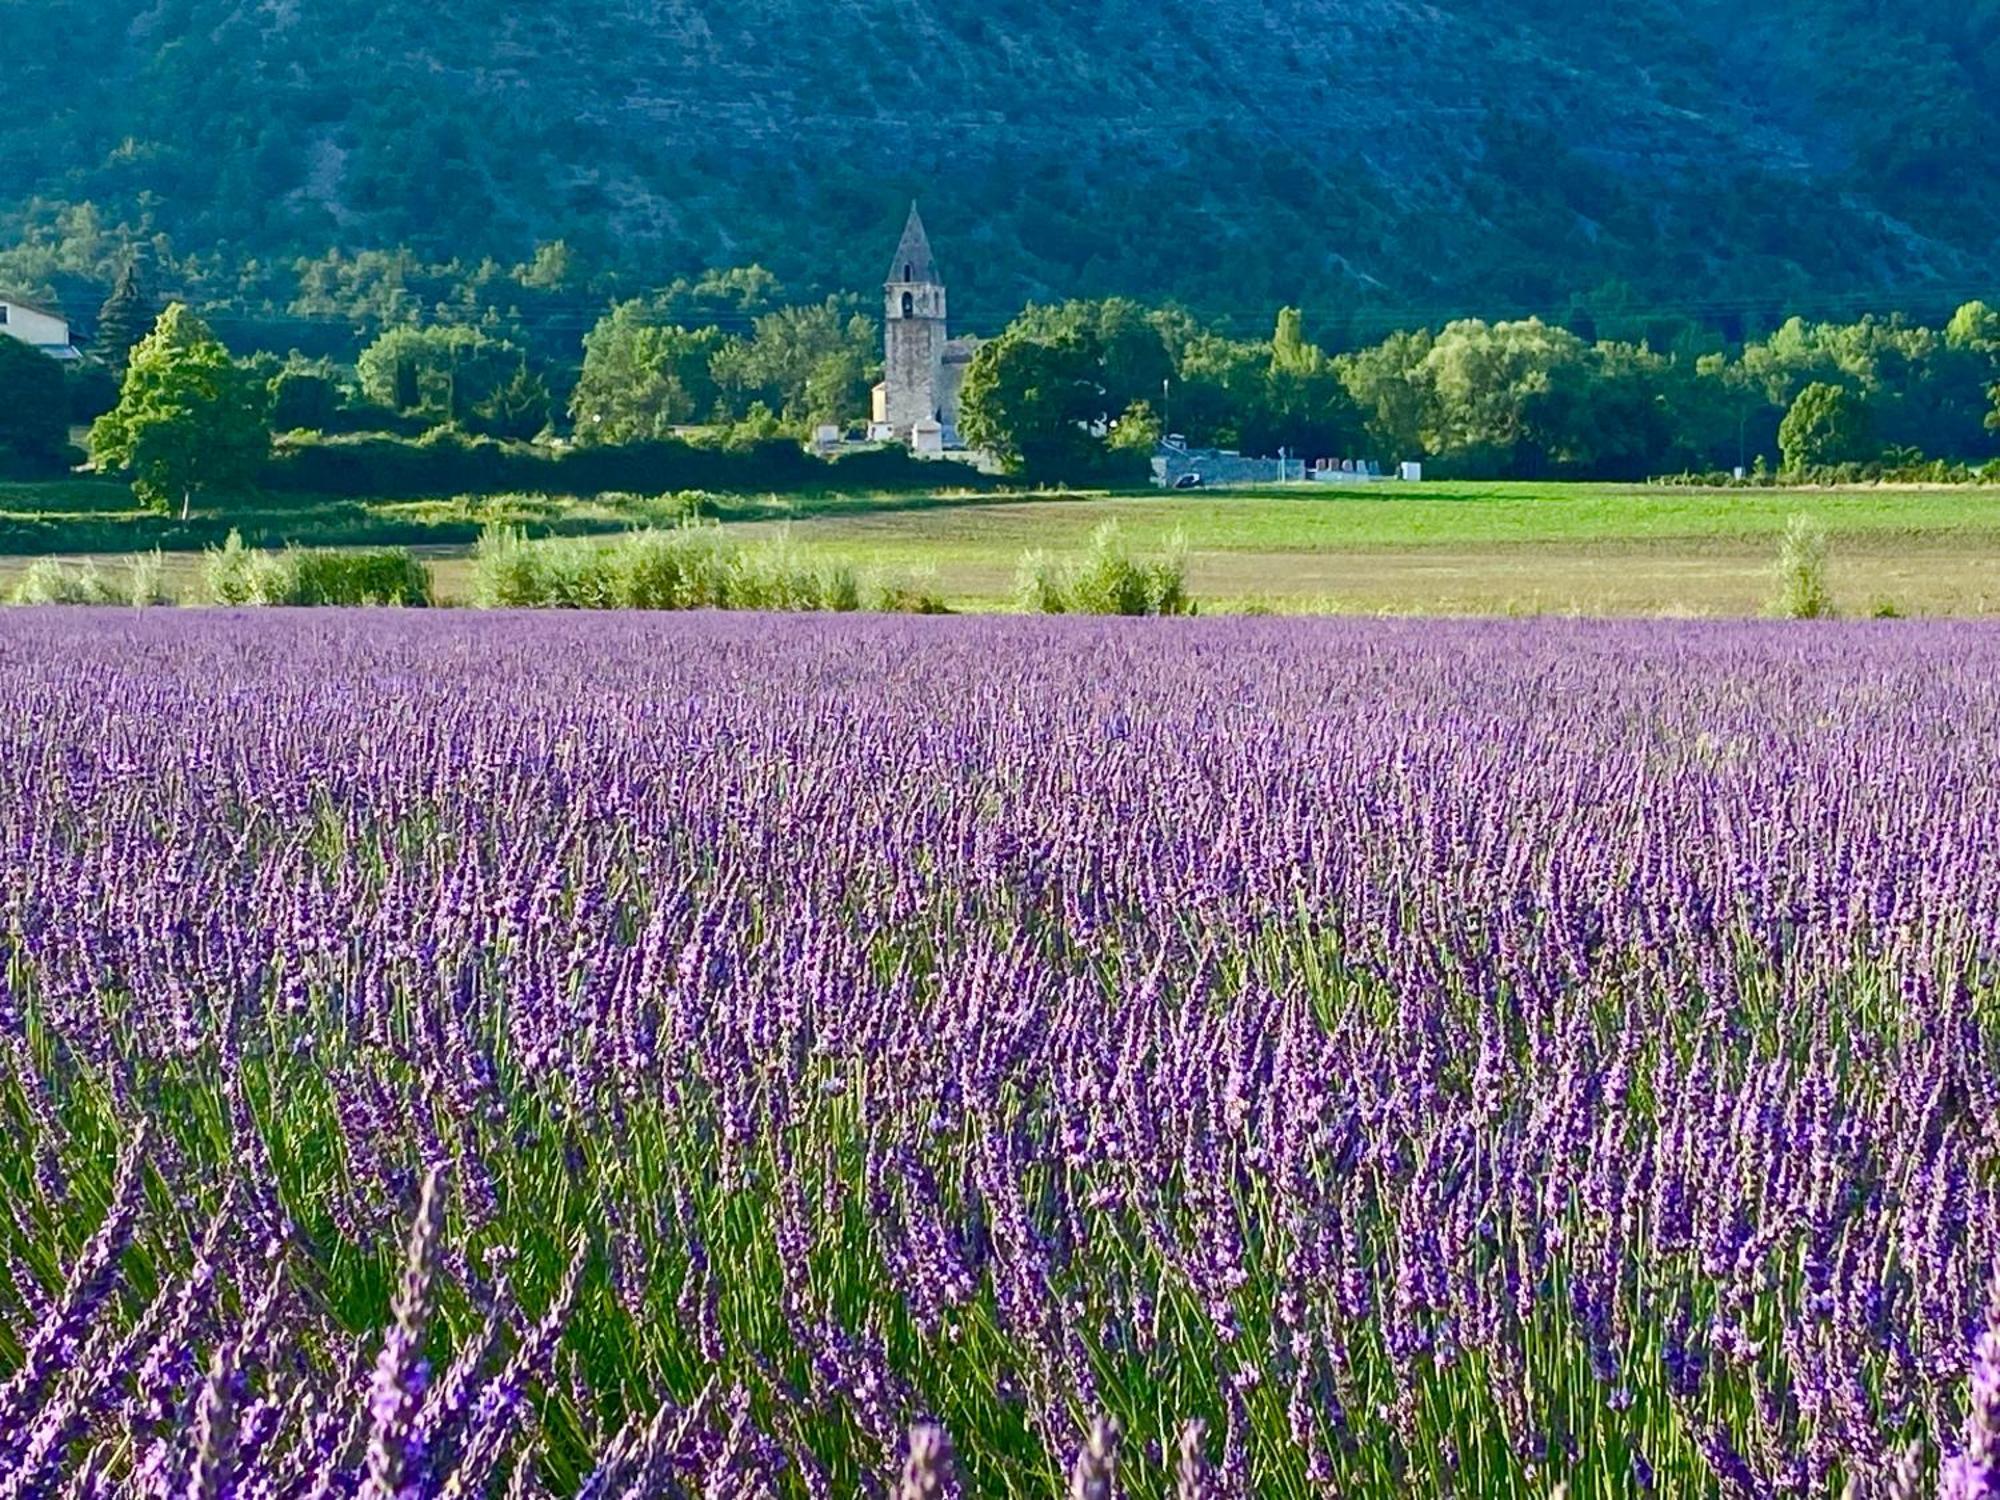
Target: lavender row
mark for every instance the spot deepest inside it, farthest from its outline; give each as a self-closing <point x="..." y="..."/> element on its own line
<point x="727" y="1056"/>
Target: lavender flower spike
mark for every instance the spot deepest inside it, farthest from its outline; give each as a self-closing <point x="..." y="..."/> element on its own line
<point x="928" y="1473"/>
<point x="215" y="1431"/>
<point x="400" y="1370"/>
<point x="1192" y="1479"/>
<point x="1096" y="1464"/>
<point x="1974" y="1472"/>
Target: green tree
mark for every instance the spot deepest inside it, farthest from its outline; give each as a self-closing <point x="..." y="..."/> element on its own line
<point x="34" y="409"/>
<point x="811" y="364"/>
<point x="643" y="376"/>
<point x="1974" y="326"/>
<point x="550" y="270"/>
<point x="1037" y="404"/>
<point x="1220" y="390"/>
<point x="1628" y="424"/>
<point x="446" y="373"/>
<point x="836" y="391"/>
<point x="1827" y="424"/>
<point x="518" y="408"/>
<point x="1393" y="399"/>
<point x="1133" y="360"/>
<point x="127" y="315"/>
<point x="1508" y="398"/>
<point x="1306" y="409"/>
<point x="189" y="419"/>
<point x="1138" y="431"/>
<point x="305" y="395"/>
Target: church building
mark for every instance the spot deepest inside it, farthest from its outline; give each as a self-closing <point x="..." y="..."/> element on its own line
<point x="923" y="367"/>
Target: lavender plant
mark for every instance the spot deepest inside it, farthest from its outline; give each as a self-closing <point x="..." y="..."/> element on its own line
<point x="476" y="1056"/>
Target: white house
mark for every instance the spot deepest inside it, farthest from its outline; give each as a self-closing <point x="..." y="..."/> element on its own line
<point x="38" y="328"/>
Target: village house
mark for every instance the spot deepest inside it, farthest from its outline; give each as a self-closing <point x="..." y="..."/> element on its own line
<point x="38" y="328"/>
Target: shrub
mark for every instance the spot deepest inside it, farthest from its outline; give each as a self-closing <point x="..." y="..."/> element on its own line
<point x="446" y="461"/>
<point x="234" y="573"/>
<point x="915" y="596"/>
<point x="1106" y="580"/>
<point x="318" y="576"/>
<point x="49" y="581"/>
<point x="146" y="580"/>
<point x="1040" y="584"/>
<point x="1801" y="572"/>
<point x="779" y="577"/>
<point x="692" y="568"/>
<point x="302" y="576"/>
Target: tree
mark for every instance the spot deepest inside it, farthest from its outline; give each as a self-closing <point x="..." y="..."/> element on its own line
<point x="550" y="270"/>
<point x="127" y="316"/>
<point x="1219" y="394"/>
<point x="1386" y="383"/>
<point x="1828" y="424"/>
<point x="1974" y="326"/>
<point x="1507" y="398"/>
<point x="1306" y="409"/>
<point x="518" y="409"/>
<point x="34" y="409"/>
<point x="643" y="376"/>
<point x="812" y="363"/>
<point x="1138" y="431"/>
<point x="305" y="395"/>
<point x="446" y="373"/>
<point x="189" y="419"/>
<point x="1037" y="404"/>
<point x="1627" y="426"/>
<point x="836" y="391"/>
<point x="1132" y="355"/>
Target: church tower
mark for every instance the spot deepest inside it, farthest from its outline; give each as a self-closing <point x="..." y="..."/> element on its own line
<point x="913" y="337"/>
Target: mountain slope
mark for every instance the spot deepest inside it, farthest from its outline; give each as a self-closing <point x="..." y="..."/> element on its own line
<point x="1421" y="158"/>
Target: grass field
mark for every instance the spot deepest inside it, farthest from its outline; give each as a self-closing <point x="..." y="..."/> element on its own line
<point x="1445" y="548"/>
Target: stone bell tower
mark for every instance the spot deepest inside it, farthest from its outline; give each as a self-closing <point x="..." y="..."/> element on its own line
<point x="913" y="336"/>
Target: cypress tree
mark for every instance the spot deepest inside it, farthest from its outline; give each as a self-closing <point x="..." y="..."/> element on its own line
<point x="127" y="316"/>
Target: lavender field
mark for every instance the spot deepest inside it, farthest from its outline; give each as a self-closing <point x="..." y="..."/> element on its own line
<point x="629" y="1056"/>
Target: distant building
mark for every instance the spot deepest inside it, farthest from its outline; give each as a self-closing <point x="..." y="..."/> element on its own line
<point x="1177" y="465"/>
<point x="38" y="328"/>
<point x="923" y="367"/>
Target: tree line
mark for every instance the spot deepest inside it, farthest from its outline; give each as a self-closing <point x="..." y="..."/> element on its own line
<point x="1081" y="391"/>
<point x="1084" y="386"/>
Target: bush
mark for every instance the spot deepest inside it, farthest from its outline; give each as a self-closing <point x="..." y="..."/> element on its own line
<point x="301" y="576"/>
<point x="446" y="461"/>
<point x="1801" y="571"/>
<point x="388" y="575"/>
<point x="916" y="596"/>
<point x="48" y="581"/>
<point x="691" y="568"/>
<point x="1106" y="580"/>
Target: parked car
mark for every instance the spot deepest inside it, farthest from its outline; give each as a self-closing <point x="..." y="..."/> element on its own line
<point x="1188" y="482"/>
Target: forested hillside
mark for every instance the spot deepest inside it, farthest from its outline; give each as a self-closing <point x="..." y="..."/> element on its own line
<point x="1376" y="161"/>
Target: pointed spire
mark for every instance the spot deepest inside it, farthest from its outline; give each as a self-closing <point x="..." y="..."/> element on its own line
<point x="913" y="252"/>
